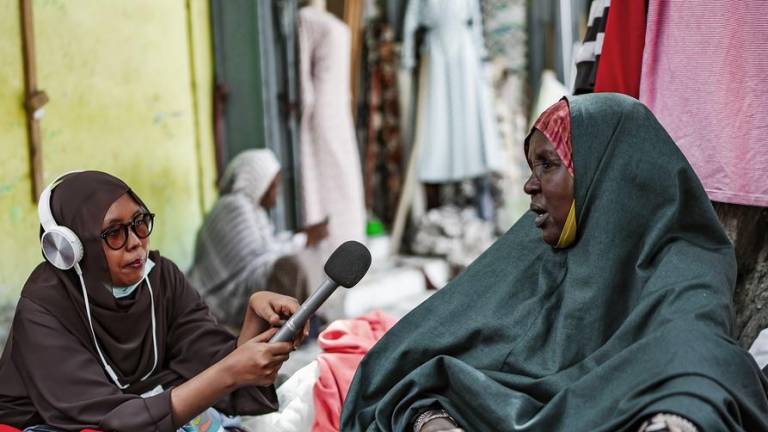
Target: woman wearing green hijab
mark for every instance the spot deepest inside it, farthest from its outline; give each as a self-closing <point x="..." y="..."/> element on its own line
<point x="622" y="312"/>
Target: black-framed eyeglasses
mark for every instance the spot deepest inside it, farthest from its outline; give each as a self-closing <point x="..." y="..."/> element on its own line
<point x="117" y="236"/>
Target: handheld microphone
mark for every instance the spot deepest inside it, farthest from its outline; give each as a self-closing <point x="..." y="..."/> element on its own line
<point x="346" y="266"/>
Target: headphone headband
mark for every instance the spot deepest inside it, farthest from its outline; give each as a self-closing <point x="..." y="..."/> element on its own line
<point x="44" y="212"/>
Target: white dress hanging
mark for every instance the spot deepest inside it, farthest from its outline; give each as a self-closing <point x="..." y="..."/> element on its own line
<point x="456" y="132"/>
<point x="331" y="172"/>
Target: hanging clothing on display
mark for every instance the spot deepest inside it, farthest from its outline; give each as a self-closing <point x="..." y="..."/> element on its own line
<point x="332" y="181"/>
<point x="383" y="150"/>
<point x="393" y="12"/>
<point x="504" y="24"/>
<point x="505" y="32"/>
<point x="622" y="52"/>
<point x="704" y="76"/>
<point x="588" y="55"/>
<point x="456" y="134"/>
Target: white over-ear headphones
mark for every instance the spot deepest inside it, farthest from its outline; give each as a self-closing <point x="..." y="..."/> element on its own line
<point x="60" y="245"/>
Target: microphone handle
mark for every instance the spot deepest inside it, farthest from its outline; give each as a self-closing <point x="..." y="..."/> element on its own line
<point x="296" y="323"/>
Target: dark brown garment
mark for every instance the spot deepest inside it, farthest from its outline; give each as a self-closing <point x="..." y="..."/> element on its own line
<point x="50" y="371"/>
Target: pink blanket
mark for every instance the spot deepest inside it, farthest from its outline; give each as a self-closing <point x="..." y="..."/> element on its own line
<point x="705" y="76"/>
<point x="345" y="343"/>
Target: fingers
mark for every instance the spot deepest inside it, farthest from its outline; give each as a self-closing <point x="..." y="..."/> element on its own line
<point x="278" y="360"/>
<point x="283" y="307"/>
<point x="268" y="314"/>
<point x="260" y="303"/>
<point x="275" y="363"/>
<point x="289" y="306"/>
<point x="279" y="348"/>
<point x="267" y="358"/>
<point x="265" y="336"/>
<point x="273" y="307"/>
<point x="292" y="304"/>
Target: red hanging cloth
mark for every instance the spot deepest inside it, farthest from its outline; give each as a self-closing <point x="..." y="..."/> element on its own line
<point x="622" y="55"/>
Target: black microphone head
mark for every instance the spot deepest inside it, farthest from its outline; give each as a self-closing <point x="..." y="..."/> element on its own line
<point x="348" y="263"/>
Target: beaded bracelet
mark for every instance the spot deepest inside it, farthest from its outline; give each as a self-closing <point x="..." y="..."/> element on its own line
<point x="668" y="422"/>
<point x="427" y="416"/>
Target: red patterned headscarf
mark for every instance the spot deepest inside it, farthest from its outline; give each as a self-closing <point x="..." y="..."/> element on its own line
<point x="555" y="124"/>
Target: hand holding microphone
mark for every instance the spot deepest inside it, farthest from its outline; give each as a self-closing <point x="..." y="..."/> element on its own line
<point x="346" y="266"/>
<point x="267" y="310"/>
<point x="255" y="362"/>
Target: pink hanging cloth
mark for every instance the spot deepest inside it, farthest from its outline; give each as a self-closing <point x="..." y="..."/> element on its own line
<point x="345" y="343"/>
<point x="705" y="77"/>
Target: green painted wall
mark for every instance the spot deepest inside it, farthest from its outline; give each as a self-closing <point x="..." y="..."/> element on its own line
<point x="130" y="85"/>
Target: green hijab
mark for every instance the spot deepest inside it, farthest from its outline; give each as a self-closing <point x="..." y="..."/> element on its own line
<point x="633" y="319"/>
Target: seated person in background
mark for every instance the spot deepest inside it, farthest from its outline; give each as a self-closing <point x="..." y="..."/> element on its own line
<point x="237" y="252"/>
<point x="116" y="339"/>
<point x="607" y="308"/>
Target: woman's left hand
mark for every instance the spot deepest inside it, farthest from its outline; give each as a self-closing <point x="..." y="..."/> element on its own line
<point x="267" y="309"/>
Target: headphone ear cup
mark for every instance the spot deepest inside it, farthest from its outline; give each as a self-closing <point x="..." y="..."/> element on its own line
<point x="61" y="247"/>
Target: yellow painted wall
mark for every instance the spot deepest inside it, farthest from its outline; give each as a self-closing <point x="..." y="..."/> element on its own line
<point x="130" y="85"/>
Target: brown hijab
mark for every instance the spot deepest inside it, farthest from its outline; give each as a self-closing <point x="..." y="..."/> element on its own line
<point x="50" y="363"/>
<point x="123" y="327"/>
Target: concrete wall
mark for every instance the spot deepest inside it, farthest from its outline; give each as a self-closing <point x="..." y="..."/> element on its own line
<point x="130" y="85"/>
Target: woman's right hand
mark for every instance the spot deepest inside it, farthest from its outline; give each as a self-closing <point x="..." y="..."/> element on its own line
<point x="256" y="362"/>
<point x="316" y="233"/>
<point x="253" y="363"/>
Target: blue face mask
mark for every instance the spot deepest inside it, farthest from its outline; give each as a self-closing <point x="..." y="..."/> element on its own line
<point x="121" y="292"/>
